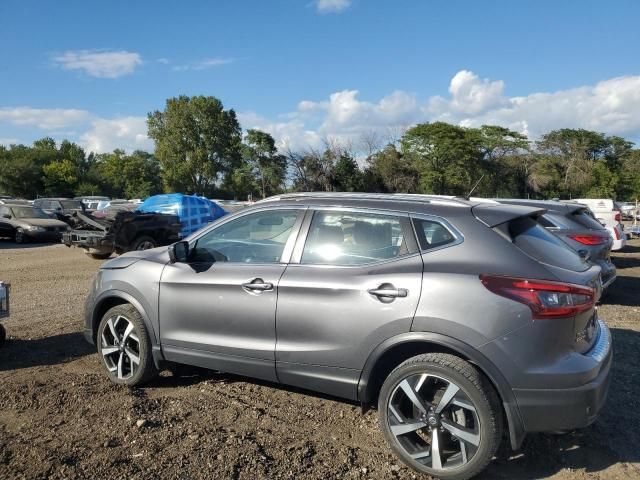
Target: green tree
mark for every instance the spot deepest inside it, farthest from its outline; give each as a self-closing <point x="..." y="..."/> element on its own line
<point x="60" y="178"/>
<point x="349" y="177"/>
<point x="266" y="164"/>
<point x="393" y="170"/>
<point x="197" y="142"/>
<point x="446" y="157"/>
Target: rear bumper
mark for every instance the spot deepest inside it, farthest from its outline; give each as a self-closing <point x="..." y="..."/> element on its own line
<point x="544" y="410"/>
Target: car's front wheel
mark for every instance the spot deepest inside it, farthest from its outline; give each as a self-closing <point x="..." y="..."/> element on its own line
<point x="19" y="236"/>
<point x="440" y="416"/>
<point x="125" y="347"/>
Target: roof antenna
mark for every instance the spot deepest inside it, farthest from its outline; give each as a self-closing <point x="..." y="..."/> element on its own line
<point x="468" y="195"/>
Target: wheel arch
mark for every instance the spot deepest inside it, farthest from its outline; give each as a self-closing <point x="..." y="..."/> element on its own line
<point x="114" y="298"/>
<point x="393" y="351"/>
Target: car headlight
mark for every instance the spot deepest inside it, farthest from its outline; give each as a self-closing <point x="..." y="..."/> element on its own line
<point x="34" y="228"/>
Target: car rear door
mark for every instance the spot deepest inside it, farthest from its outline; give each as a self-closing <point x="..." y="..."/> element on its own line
<point x="354" y="280"/>
<point x="218" y="309"/>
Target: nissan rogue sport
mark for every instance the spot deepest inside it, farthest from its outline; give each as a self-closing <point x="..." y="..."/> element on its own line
<point x="459" y="319"/>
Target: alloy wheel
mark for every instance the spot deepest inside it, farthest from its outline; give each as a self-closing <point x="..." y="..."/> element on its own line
<point x="434" y="421"/>
<point x="120" y="347"/>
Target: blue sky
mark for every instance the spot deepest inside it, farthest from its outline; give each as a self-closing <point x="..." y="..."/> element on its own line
<point x="312" y="70"/>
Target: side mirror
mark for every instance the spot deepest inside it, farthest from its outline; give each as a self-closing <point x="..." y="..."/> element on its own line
<point x="6" y="215"/>
<point x="179" y="252"/>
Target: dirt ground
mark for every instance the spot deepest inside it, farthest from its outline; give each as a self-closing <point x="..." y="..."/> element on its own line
<point x="61" y="418"/>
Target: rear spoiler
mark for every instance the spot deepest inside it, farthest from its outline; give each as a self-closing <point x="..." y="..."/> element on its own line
<point x="494" y="214"/>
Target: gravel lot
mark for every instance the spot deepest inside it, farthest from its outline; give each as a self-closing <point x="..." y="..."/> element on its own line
<point x="61" y="418"/>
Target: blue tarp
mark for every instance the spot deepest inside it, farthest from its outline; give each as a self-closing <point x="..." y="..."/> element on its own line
<point x="194" y="212"/>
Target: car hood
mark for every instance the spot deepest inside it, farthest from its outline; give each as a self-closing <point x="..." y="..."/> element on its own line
<point x="40" y="222"/>
<point x="159" y="254"/>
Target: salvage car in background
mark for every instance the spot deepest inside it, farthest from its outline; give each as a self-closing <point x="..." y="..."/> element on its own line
<point x="23" y="222"/>
<point x="574" y="224"/>
<point x="4" y="308"/>
<point x="441" y="311"/>
<point x="159" y="220"/>
<point x="63" y="209"/>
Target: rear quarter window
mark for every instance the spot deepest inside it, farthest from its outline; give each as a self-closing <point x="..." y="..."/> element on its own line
<point x="534" y="240"/>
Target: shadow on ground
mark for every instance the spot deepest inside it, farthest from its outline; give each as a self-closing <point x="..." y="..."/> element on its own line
<point x="9" y="244"/>
<point x="19" y="353"/>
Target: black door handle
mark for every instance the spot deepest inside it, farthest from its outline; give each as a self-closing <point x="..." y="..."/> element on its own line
<point x="258" y="285"/>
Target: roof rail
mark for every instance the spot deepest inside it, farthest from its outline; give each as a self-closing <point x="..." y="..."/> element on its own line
<point x="401" y="197"/>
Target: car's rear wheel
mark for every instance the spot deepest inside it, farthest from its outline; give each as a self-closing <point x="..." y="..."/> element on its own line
<point x="440" y="416"/>
<point x="143" y="243"/>
<point x="125" y="347"/>
<point x="19" y="236"/>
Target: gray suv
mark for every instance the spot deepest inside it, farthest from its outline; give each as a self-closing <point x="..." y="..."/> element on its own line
<point x="459" y="319"/>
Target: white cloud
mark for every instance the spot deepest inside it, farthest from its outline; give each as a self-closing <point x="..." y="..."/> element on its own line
<point x="99" y="63"/>
<point x="611" y="106"/>
<point x="44" y="118"/>
<point x="9" y="141"/>
<point x="128" y="133"/>
<point x="332" y="6"/>
<point x="203" y="64"/>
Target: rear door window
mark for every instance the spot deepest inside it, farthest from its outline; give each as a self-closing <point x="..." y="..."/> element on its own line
<point x="533" y="239"/>
<point x="346" y="238"/>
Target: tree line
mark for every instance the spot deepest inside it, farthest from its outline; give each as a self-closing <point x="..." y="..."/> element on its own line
<point x="200" y="148"/>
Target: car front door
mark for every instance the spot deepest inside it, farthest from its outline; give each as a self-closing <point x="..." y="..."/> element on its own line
<point x="353" y="282"/>
<point x="218" y="309"/>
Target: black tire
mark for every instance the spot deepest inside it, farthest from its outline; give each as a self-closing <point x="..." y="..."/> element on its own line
<point x="476" y="391"/>
<point x="3" y="335"/>
<point x="19" y="236"/>
<point x="145" y="369"/>
<point x="99" y="256"/>
<point x="143" y="242"/>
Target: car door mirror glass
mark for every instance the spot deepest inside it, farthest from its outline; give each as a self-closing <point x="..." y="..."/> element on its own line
<point x="179" y="252"/>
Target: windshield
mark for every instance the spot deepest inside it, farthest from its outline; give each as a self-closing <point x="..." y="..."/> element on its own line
<point x="28" y="212"/>
<point x="71" y="204"/>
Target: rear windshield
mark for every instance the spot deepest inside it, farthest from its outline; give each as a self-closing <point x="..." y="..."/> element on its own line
<point x="533" y="239"/>
<point x="579" y="219"/>
<point x="585" y="219"/>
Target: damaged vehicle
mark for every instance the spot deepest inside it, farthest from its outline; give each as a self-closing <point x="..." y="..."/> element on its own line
<point x="160" y="220"/>
<point x="64" y="209"/>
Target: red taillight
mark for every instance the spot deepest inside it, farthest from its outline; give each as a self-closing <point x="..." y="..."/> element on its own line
<point x="545" y="299"/>
<point x="617" y="216"/>
<point x="590" y="239"/>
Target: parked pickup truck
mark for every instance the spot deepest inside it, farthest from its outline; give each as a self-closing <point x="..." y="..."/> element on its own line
<point x="125" y="232"/>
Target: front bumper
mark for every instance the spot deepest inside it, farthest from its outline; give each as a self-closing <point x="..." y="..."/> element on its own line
<point x="545" y="410"/>
<point x="88" y="239"/>
<point x="46" y="236"/>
